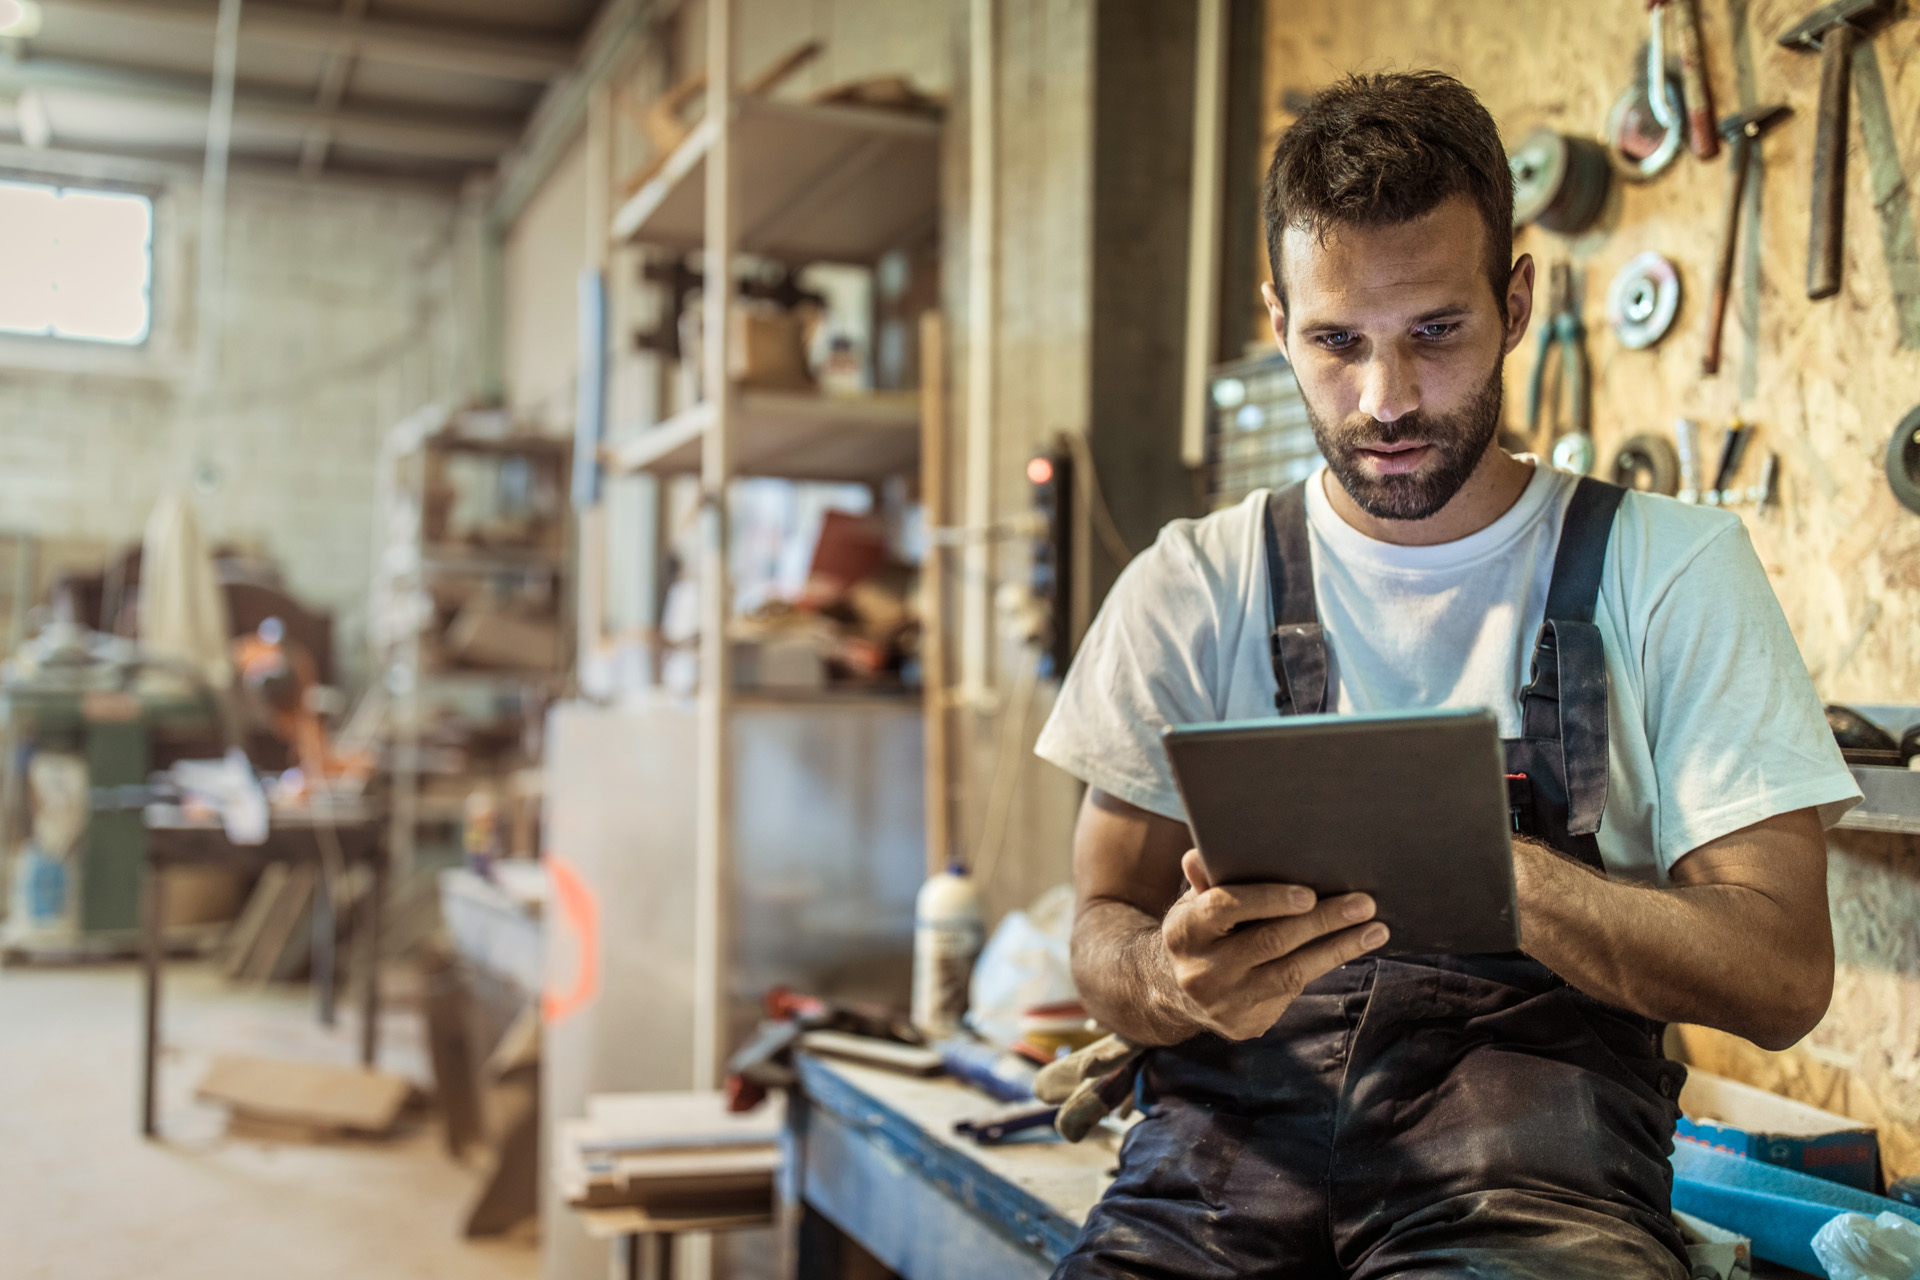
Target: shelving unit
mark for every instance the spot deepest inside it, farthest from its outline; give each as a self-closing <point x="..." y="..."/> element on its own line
<point x="798" y="183"/>
<point x="411" y="556"/>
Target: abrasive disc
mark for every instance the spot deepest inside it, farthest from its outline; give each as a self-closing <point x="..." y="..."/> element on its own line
<point x="1642" y="301"/>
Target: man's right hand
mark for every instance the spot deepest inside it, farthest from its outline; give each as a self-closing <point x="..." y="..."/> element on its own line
<point x="1240" y="954"/>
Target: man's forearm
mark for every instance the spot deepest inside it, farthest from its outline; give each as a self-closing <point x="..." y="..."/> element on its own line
<point x="1120" y="965"/>
<point x="1720" y="955"/>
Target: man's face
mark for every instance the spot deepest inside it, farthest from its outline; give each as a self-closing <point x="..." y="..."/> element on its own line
<point x="1397" y="342"/>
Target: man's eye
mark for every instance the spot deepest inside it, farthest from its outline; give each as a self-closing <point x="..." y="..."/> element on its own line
<point x="1339" y="341"/>
<point x="1436" y="330"/>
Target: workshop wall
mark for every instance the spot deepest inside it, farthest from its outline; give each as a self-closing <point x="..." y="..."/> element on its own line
<point x="1825" y="383"/>
<point x="345" y="308"/>
<point x="1014" y="814"/>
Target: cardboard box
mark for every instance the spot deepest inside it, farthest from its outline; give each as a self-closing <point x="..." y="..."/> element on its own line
<point x="485" y="636"/>
<point x="1714" y="1253"/>
<point x="1729" y="1116"/>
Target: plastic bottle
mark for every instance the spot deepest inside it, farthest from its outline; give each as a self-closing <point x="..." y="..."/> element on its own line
<point x="947" y="933"/>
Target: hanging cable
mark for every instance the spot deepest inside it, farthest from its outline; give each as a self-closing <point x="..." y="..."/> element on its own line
<point x="1098" y="516"/>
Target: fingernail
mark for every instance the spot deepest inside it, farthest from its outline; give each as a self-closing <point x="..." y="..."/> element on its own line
<point x="1374" y="936"/>
<point x="1300" y="899"/>
<point x="1358" y="907"/>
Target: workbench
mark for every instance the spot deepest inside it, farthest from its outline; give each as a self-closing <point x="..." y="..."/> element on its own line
<point x="313" y="835"/>
<point x="872" y="1156"/>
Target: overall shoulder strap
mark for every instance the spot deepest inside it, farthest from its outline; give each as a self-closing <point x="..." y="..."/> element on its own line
<point x="1566" y="698"/>
<point x="1584" y="534"/>
<point x="1296" y="646"/>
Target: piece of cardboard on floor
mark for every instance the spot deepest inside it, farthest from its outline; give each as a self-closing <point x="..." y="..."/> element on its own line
<point x="306" y="1093"/>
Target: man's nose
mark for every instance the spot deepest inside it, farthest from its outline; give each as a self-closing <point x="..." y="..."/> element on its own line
<point x="1390" y="386"/>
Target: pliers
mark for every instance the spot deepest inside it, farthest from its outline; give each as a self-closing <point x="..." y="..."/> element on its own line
<point x="1562" y="328"/>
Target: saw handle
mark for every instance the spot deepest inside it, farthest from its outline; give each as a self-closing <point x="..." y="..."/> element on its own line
<point x="1830" y="163"/>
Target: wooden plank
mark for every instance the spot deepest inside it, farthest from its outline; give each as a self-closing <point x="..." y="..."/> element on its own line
<point x="713" y="841"/>
<point x="244" y="933"/>
<point x="306" y="1093"/>
<point x="933" y="586"/>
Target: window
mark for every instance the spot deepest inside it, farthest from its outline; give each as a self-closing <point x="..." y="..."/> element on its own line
<point x="75" y="264"/>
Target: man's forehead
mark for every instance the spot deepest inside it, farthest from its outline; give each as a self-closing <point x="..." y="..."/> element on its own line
<point x="1409" y="264"/>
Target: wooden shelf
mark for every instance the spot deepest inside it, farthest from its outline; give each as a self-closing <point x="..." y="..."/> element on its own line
<point x="793" y="436"/>
<point x="824" y="183"/>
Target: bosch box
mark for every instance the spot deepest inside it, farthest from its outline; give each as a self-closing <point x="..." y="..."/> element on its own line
<point x="1730" y="1116"/>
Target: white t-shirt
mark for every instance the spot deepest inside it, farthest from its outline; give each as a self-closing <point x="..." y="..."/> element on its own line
<point x="1712" y="721"/>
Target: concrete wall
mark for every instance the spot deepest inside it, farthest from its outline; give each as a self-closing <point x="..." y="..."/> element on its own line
<point x="346" y="307"/>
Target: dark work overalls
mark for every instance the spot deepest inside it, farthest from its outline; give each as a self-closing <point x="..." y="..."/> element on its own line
<point x="1419" y="1116"/>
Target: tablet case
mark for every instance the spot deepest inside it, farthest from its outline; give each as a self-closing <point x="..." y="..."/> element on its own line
<point x="1410" y="807"/>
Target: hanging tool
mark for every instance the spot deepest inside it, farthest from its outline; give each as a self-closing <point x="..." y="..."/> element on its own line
<point x="1647" y="463"/>
<point x="1833" y="30"/>
<point x="1561" y="327"/>
<point x="1642" y="301"/>
<point x="1559" y="181"/>
<point x="1686" y="443"/>
<point x="1763" y="494"/>
<point x="1701" y="137"/>
<point x="1733" y="449"/>
<point x="1741" y="130"/>
<point x="1646" y="128"/>
<point x="1903" y="462"/>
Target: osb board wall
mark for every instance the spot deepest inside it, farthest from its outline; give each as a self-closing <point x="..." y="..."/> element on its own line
<point x="1824" y="381"/>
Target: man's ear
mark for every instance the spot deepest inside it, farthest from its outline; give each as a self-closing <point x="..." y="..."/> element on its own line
<point x="1519" y="301"/>
<point x="1276" y="316"/>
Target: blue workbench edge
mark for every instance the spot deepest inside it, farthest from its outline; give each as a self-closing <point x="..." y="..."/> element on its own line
<point x="1020" y="1216"/>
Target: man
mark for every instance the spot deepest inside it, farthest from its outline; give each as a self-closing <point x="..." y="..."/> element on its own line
<point x="1312" y="1111"/>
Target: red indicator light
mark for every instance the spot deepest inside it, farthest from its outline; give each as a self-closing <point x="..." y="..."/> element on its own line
<point x="1040" y="470"/>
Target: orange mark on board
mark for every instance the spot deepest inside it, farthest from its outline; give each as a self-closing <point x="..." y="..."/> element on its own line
<point x="579" y="912"/>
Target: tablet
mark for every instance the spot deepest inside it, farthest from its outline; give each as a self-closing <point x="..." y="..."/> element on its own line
<point x="1410" y="807"/>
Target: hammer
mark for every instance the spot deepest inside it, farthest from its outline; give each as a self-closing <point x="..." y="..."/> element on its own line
<point x="1832" y="30"/>
<point x="1739" y="130"/>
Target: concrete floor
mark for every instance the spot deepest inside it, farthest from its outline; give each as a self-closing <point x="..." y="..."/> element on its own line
<point x="82" y="1196"/>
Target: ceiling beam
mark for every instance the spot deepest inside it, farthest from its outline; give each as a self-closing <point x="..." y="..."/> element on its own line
<point x="530" y="58"/>
<point x="403" y="134"/>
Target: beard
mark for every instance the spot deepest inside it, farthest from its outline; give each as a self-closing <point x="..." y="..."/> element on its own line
<point x="1459" y="440"/>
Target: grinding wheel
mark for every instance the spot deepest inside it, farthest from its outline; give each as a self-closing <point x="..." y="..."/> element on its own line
<point x="1642" y="301"/>
<point x="1648" y="463"/>
<point x="1903" y="462"/>
<point x="1559" y="181"/>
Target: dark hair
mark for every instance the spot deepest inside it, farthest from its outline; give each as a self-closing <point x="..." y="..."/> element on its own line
<point x="1378" y="150"/>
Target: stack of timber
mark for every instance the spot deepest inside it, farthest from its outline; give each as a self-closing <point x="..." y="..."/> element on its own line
<point x="671" y="1155"/>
